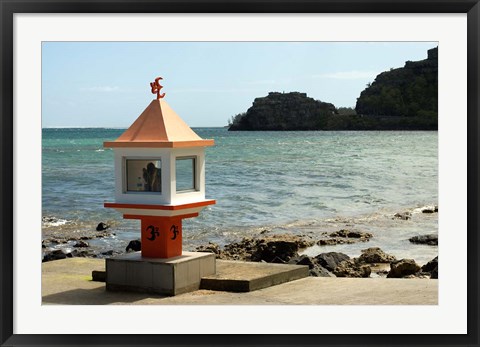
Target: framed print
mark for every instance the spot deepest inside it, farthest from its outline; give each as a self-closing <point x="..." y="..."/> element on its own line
<point x="296" y="142"/>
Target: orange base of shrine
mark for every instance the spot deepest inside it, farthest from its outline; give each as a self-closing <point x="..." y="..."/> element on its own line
<point x="161" y="237"/>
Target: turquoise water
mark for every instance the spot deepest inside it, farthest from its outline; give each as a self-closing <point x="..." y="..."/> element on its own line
<point x="300" y="182"/>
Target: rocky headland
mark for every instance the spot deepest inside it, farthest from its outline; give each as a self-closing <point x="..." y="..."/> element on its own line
<point x="284" y="111"/>
<point x="403" y="98"/>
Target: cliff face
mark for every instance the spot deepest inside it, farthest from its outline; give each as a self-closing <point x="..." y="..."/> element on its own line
<point x="284" y="111"/>
<point x="411" y="91"/>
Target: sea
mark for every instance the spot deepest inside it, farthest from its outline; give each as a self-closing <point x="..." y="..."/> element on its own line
<point x="298" y="182"/>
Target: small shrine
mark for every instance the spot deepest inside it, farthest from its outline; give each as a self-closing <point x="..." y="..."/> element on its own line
<point x="159" y="180"/>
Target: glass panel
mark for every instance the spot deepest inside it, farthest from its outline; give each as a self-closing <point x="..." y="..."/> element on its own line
<point x="185" y="169"/>
<point x="144" y="175"/>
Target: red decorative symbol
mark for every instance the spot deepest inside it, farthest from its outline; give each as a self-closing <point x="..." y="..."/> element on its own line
<point x="156" y="88"/>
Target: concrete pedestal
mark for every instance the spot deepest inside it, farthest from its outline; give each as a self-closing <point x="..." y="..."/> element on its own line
<point x="171" y="276"/>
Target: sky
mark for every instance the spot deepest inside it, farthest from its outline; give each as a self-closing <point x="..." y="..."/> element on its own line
<point x="107" y="84"/>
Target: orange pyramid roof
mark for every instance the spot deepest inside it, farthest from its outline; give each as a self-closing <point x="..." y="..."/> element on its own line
<point x="159" y="126"/>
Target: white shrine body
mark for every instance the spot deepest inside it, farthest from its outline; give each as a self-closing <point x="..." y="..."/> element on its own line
<point x="159" y="139"/>
<point x="126" y="176"/>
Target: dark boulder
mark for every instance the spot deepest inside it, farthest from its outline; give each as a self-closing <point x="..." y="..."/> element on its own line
<point x="402" y="268"/>
<point x="351" y="234"/>
<point x="331" y="260"/>
<point x="82" y="253"/>
<point x="350" y="268"/>
<point x="430" y="209"/>
<point x="279" y="248"/>
<point x="344" y="236"/>
<point x="80" y="244"/>
<point x="315" y="269"/>
<point x="102" y="226"/>
<point x="430" y="239"/>
<point x="301" y="241"/>
<point x="303" y="260"/>
<point x="54" y="255"/>
<point x="134" y="245"/>
<point x="374" y="255"/>
<point x="238" y="250"/>
<point x="102" y="235"/>
<point x="210" y="248"/>
<point x="431" y="267"/>
<point x="320" y="271"/>
<point x="334" y="241"/>
<point x="275" y="251"/>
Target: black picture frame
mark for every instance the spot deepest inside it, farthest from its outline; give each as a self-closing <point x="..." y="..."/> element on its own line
<point x="9" y="7"/>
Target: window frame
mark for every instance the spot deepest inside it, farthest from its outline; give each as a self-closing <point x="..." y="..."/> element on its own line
<point x="125" y="175"/>
<point x="195" y="174"/>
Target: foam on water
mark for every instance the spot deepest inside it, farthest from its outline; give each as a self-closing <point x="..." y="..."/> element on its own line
<point x="54" y="222"/>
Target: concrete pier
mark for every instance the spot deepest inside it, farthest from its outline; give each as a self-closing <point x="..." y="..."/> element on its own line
<point x="69" y="282"/>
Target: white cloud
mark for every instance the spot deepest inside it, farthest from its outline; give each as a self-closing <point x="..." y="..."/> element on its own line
<point x="104" y="89"/>
<point x="349" y="75"/>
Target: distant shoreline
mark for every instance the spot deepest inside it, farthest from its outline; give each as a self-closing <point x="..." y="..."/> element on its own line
<point x="117" y="128"/>
<point x="223" y="127"/>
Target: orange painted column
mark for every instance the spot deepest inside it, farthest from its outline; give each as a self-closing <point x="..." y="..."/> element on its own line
<point x="161" y="237"/>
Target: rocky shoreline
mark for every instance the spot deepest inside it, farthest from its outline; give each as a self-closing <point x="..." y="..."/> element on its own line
<point x="373" y="262"/>
<point x="80" y="243"/>
<point x="276" y="248"/>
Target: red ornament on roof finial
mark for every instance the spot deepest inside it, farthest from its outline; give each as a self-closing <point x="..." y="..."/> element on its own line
<point x="156" y="88"/>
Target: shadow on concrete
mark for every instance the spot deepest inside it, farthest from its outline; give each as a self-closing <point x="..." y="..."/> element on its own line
<point x="96" y="296"/>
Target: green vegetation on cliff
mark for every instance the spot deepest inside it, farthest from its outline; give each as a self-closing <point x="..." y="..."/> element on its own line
<point x="400" y="99"/>
<point x="410" y="93"/>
